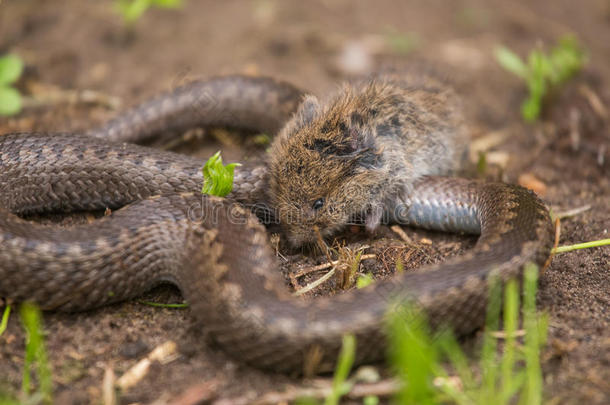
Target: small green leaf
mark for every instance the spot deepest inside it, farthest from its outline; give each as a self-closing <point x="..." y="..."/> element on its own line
<point x="511" y="61"/>
<point x="262" y="139"/>
<point x="370" y="400"/>
<point x="364" y="280"/>
<point x="217" y="178"/>
<point x="11" y="67"/>
<point x="131" y="10"/>
<point x="167" y="3"/>
<point x="10" y="101"/>
<point x="566" y="59"/>
<point x="530" y="109"/>
<point x="400" y="268"/>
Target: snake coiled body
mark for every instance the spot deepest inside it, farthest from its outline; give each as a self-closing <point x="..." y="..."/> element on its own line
<point x="214" y="249"/>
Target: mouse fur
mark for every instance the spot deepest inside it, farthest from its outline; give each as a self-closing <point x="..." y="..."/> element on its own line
<point x="355" y="156"/>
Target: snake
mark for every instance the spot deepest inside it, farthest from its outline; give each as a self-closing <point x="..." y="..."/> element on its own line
<point x="215" y="250"/>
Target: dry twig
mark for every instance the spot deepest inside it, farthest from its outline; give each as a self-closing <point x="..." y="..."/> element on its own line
<point x="163" y="354"/>
<point x="383" y="388"/>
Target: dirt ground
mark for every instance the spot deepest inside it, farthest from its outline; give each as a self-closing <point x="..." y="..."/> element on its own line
<point x="73" y="46"/>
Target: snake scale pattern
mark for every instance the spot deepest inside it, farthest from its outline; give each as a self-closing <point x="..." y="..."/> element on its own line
<point x="215" y="250"/>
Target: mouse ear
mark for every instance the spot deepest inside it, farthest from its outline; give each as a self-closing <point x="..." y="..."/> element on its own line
<point x="305" y="114"/>
<point x="307" y="111"/>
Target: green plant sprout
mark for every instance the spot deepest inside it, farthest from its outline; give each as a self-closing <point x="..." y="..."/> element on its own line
<point x="543" y="72"/>
<point x="365" y="280"/>
<point x="344" y="365"/>
<point x="514" y="376"/>
<point x="132" y="10"/>
<point x="217" y="178"/>
<point x="261" y="139"/>
<point x="35" y="354"/>
<point x="421" y="358"/>
<point x="11" y="67"/>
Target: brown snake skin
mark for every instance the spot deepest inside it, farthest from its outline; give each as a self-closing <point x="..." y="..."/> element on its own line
<point x="214" y="250"/>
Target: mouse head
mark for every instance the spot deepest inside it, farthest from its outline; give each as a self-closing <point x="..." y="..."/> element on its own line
<point x="325" y="170"/>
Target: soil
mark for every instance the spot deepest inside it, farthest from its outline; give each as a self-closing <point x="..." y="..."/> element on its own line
<point x="73" y="46"/>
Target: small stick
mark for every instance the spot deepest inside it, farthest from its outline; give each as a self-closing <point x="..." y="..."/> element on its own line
<point x="325" y="277"/>
<point x="553" y="251"/>
<point x="486" y="142"/>
<point x="403" y="235"/>
<point x="595" y="102"/>
<point x="500" y="334"/>
<point x="315" y="283"/>
<point x="108" y="391"/>
<point x="198" y="393"/>
<point x="136" y="373"/>
<point x="383" y="388"/>
<point x="575" y="137"/>
<point x="572" y="212"/>
<point x="72" y="97"/>
<point x="196" y="133"/>
<point x="327" y="265"/>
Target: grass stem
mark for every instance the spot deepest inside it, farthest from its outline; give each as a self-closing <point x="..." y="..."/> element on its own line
<point x="584" y="245"/>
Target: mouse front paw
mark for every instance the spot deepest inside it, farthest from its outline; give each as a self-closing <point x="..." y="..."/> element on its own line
<point x="373" y="218"/>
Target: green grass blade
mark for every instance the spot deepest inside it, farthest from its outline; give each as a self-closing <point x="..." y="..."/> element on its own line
<point x="344" y="365"/>
<point x="451" y="348"/>
<point x="161" y="305"/>
<point x="584" y="245"/>
<point x="4" y="322"/>
<point x="533" y="342"/>
<point x="415" y="357"/>
<point x="511" y="318"/>
<point x="516" y="386"/>
<point x="489" y="363"/>
<point x="35" y="352"/>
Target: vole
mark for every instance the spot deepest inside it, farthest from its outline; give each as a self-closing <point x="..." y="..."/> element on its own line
<point x="357" y="155"/>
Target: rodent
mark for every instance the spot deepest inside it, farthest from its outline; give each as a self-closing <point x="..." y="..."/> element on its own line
<point x="357" y="155"/>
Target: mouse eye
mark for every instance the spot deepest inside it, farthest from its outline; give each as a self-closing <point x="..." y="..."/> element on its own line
<point x="319" y="203"/>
